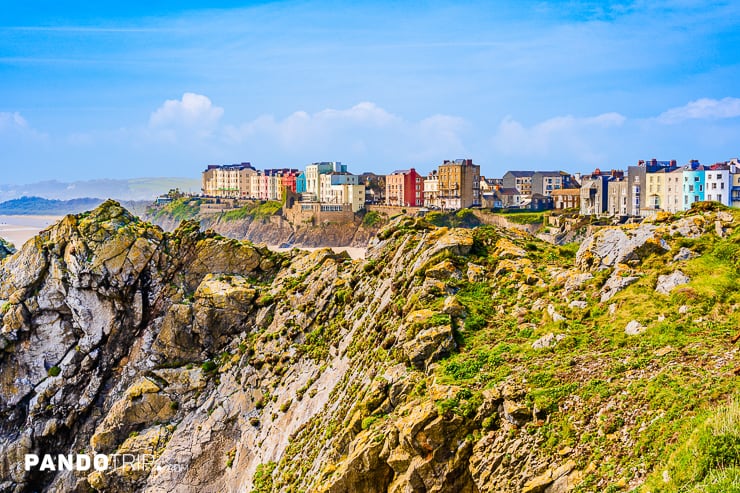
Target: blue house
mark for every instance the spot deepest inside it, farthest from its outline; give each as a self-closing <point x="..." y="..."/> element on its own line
<point x="300" y="183"/>
<point x="694" y="184"/>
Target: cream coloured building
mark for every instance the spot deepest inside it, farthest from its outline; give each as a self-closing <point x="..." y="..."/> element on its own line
<point x="229" y="181"/>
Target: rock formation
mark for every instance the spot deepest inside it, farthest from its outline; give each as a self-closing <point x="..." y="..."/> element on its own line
<point x="447" y="360"/>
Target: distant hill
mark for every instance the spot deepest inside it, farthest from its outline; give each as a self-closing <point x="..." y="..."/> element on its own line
<point x="53" y="207"/>
<point x="38" y="205"/>
<point x="121" y="190"/>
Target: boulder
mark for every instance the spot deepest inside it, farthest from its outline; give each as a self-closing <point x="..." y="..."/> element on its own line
<point x="619" y="280"/>
<point x="429" y="345"/>
<point x="515" y="413"/>
<point x="611" y="246"/>
<point x="634" y="328"/>
<point x="548" y="340"/>
<point x="554" y="315"/>
<point x="575" y="281"/>
<point x="668" y="282"/>
<point x="684" y="254"/>
<point x="6" y="249"/>
<point x="443" y="271"/>
<point x="476" y="273"/>
<point x="506" y="249"/>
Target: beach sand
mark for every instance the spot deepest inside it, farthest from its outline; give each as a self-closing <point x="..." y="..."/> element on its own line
<point x="354" y="252"/>
<point x="19" y="229"/>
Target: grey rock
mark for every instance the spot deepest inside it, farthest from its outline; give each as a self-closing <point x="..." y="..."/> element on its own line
<point x="725" y="217"/>
<point x="578" y="304"/>
<point x="548" y="340"/>
<point x="430" y="345"/>
<point x="684" y="254"/>
<point x="611" y="246"/>
<point x="669" y="282"/>
<point x="554" y="315"/>
<point x="634" y="328"/>
<point x="616" y="282"/>
<point x="576" y="281"/>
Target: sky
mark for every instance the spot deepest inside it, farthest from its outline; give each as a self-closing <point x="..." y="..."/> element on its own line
<point x="165" y="88"/>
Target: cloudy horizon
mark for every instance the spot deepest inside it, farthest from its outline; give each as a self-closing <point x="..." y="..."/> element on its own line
<point x="533" y="85"/>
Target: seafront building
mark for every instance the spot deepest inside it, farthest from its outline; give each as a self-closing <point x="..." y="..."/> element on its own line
<point x="404" y="188"/>
<point x="649" y="187"/>
<point x="459" y="184"/>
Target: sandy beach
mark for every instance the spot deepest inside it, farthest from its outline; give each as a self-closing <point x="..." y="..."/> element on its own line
<point x="19" y="229"/>
<point x="354" y="252"/>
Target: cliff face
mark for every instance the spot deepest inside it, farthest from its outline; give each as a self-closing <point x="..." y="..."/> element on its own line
<point x="276" y="230"/>
<point x="448" y="360"/>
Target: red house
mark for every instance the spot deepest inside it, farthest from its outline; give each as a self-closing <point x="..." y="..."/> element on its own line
<point x="404" y="188"/>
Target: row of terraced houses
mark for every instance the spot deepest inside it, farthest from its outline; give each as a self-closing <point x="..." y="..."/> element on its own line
<point x="641" y="190"/>
<point x="453" y="185"/>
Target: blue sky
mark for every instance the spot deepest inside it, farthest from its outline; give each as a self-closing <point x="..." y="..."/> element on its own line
<point x="165" y="88"/>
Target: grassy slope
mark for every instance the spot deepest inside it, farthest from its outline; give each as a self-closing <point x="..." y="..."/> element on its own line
<point x="621" y="403"/>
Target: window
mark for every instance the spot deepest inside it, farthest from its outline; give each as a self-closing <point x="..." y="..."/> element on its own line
<point x="696" y="178"/>
<point x="714" y="185"/>
<point x="701" y="188"/>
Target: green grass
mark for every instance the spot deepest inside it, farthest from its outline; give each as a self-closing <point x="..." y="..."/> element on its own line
<point x="372" y="218"/>
<point x="180" y="209"/>
<point x="253" y="211"/>
<point x="262" y="481"/>
<point x="525" y="217"/>
<point x="707" y="458"/>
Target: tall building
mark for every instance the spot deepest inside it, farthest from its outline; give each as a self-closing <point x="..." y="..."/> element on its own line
<point x="618" y="197"/>
<point x="719" y="183"/>
<point x="693" y="184"/>
<point x="300" y="183"/>
<point x="404" y="188"/>
<point x="374" y="187"/>
<point x="329" y="180"/>
<point x="595" y="191"/>
<point x="521" y="180"/>
<point x="230" y="181"/>
<point x="314" y="170"/>
<point x="459" y="184"/>
<point x="544" y="182"/>
<point x="431" y="190"/>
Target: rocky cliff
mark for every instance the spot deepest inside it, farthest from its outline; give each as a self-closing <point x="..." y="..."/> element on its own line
<point x="276" y="230"/>
<point x="448" y="360"/>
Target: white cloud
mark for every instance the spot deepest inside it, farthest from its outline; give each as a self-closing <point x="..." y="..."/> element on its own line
<point x="10" y="121"/>
<point x="361" y="131"/>
<point x="567" y="137"/>
<point x="704" y="108"/>
<point x="192" y="111"/>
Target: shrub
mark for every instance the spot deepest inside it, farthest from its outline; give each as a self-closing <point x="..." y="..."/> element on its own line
<point x="372" y="218"/>
<point x="262" y="481"/>
<point x="54" y="371"/>
<point x="368" y="422"/>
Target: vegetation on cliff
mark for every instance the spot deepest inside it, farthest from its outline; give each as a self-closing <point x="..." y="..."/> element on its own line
<point x="256" y="210"/>
<point x="449" y="359"/>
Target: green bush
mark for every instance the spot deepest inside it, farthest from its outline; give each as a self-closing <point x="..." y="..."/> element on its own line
<point x="720" y="451"/>
<point x="372" y="218"/>
<point x="54" y="371"/>
<point x="262" y="481"/>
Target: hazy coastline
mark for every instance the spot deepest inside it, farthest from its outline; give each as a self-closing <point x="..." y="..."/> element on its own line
<point x="18" y="229"/>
